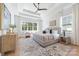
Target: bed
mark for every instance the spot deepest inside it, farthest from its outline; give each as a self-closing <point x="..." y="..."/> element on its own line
<point x="45" y="39"/>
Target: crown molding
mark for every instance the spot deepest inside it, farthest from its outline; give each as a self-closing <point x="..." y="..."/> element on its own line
<point x="31" y="12"/>
<point x="28" y="15"/>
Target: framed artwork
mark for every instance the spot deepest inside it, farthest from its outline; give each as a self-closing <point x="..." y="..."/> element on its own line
<point x="53" y="23"/>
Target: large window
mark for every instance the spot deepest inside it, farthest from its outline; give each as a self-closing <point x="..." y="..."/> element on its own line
<point x="28" y="26"/>
<point x="67" y="24"/>
<point x="34" y="26"/>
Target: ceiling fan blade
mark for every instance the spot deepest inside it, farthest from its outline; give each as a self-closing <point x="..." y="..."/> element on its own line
<point x="38" y="5"/>
<point x="36" y="11"/>
<point x="43" y="9"/>
<point x="35" y="5"/>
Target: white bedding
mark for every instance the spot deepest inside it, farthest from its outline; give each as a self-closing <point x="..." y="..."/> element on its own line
<point x="45" y="39"/>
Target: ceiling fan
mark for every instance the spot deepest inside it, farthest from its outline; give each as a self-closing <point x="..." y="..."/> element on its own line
<point x="37" y="6"/>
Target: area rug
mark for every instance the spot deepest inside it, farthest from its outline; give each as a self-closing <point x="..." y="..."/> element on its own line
<point x="28" y="47"/>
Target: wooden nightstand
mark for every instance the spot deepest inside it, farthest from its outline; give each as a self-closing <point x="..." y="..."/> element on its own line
<point x="68" y="40"/>
<point x="65" y="40"/>
<point x="61" y="40"/>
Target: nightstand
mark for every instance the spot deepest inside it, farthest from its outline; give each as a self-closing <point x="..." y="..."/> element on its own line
<point x="68" y="40"/>
<point x="65" y="40"/>
<point x="61" y="40"/>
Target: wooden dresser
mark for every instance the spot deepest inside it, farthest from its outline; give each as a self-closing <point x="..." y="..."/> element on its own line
<point x="7" y="43"/>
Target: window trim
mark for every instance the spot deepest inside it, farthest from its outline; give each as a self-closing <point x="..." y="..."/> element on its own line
<point x="28" y="26"/>
<point x="68" y="32"/>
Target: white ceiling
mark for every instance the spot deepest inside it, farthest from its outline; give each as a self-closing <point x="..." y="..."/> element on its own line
<point x="26" y="9"/>
<point x="30" y="6"/>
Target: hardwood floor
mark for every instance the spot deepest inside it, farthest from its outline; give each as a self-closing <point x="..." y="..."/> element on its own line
<point x="73" y="52"/>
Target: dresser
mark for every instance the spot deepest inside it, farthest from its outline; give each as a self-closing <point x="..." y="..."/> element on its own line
<point x="7" y="43"/>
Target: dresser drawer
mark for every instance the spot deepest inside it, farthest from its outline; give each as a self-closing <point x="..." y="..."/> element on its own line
<point x="7" y="43"/>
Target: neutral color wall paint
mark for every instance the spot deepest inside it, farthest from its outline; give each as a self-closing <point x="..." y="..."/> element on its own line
<point x="45" y="20"/>
<point x="74" y="11"/>
<point x="13" y="8"/>
<point x="46" y="16"/>
<point x="54" y="13"/>
<point x="76" y="24"/>
<point x="19" y="19"/>
<point x="61" y="12"/>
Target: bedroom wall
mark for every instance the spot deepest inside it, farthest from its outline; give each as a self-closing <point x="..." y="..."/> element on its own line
<point x="45" y="19"/>
<point x="75" y="35"/>
<point x="54" y="13"/>
<point x="61" y="12"/>
<point x="13" y="8"/>
<point x="74" y="11"/>
<point x="19" y="19"/>
<point x="46" y="16"/>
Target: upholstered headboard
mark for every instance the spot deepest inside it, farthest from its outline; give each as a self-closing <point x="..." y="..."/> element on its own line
<point x="58" y="29"/>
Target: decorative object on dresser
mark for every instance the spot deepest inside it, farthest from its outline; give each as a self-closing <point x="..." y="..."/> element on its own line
<point x="7" y="43"/>
<point x="12" y="27"/>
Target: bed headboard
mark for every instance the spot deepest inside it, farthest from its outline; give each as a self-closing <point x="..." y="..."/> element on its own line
<point x="55" y="29"/>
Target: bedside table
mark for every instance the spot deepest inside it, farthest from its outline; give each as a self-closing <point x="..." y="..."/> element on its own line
<point x="68" y="40"/>
<point x="65" y="40"/>
<point x="62" y="40"/>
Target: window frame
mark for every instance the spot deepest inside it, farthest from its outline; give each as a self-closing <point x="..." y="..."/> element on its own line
<point x="28" y="26"/>
<point x="67" y="25"/>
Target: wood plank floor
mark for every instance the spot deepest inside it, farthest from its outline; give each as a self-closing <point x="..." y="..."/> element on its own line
<point x="74" y="52"/>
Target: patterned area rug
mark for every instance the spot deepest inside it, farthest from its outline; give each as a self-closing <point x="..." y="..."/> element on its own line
<point x="30" y="48"/>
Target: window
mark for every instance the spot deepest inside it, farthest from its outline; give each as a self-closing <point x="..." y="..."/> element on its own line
<point x="67" y="24"/>
<point x="34" y="26"/>
<point x="28" y="26"/>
